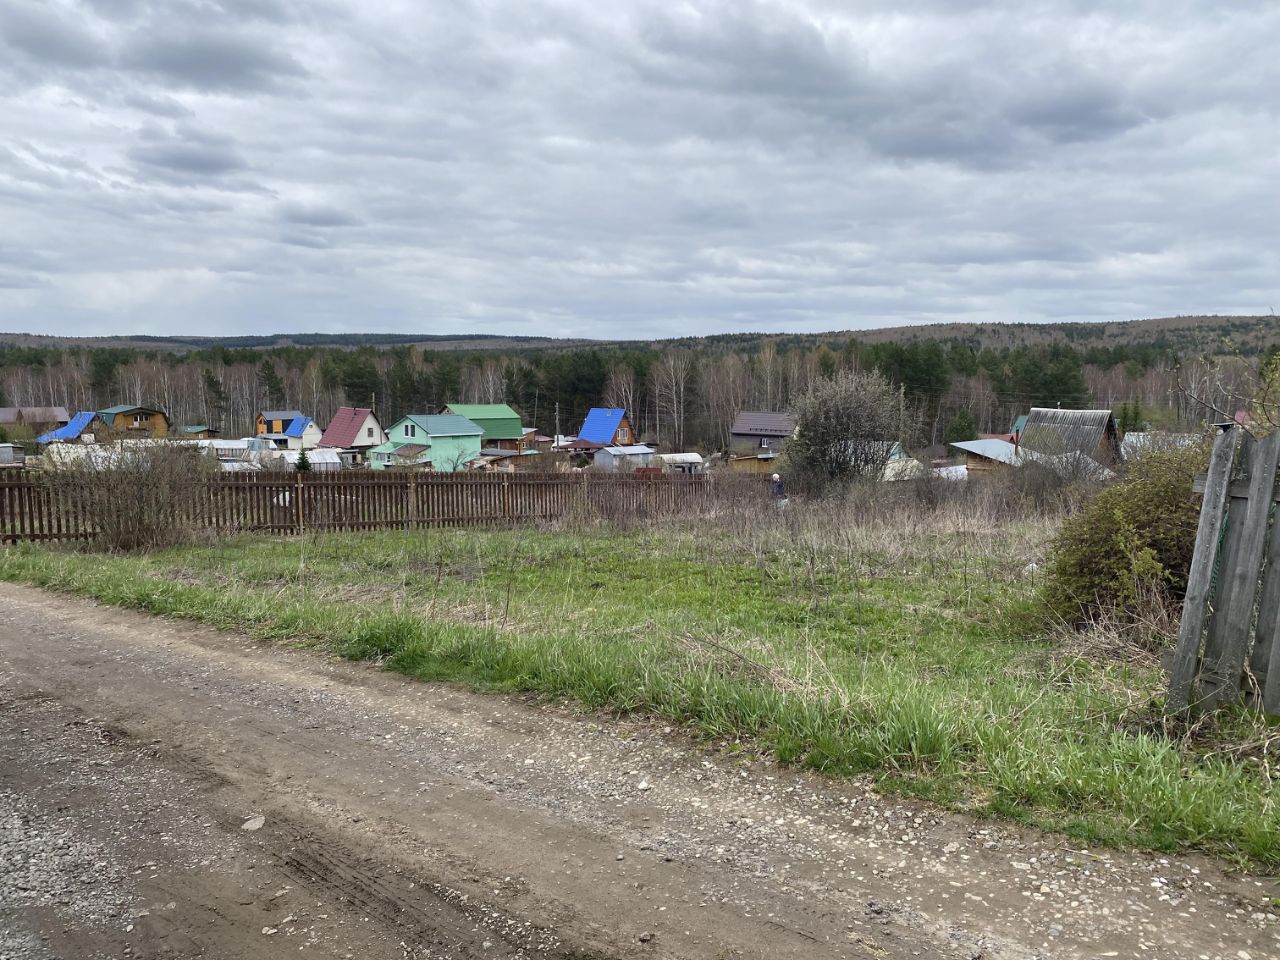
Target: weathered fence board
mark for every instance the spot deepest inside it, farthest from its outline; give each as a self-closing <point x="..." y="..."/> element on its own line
<point x="293" y="502"/>
<point x="1232" y="602"/>
<point x="1184" y="662"/>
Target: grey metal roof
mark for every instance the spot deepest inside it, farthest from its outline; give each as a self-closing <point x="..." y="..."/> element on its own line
<point x="763" y="423"/>
<point x="1064" y="431"/>
<point x="999" y="450"/>
<point x="281" y="414"/>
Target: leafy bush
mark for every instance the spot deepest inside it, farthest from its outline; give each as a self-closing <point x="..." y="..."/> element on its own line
<point x="1131" y="539"/>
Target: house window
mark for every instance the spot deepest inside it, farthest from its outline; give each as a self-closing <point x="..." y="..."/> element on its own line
<point x="764" y="443"/>
<point x="368" y="432"/>
<point x="410" y="430"/>
<point x="624" y="435"/>
<point x="140" y="418"/>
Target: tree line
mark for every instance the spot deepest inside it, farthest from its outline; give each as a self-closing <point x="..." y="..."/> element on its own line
<point x="679" y="396"/>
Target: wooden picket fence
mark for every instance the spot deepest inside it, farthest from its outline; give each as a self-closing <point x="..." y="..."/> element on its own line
<point x="350" y="500"/>
<point x="1229" y="641"/>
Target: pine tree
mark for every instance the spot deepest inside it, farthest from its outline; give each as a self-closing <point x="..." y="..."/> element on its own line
<point x="960" y="428"/>
<point x="272" y="385"/>
<point x="304" y="462"/>
<point x="215" y="399"/>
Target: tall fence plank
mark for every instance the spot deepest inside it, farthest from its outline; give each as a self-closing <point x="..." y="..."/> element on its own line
<point x="1185" y="660"/>
<point x="1221" y="672"/>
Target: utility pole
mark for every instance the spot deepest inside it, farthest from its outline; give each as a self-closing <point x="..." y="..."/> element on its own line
<point x="557" y="420"/>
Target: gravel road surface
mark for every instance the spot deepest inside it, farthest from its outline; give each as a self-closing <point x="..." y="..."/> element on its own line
<point x="172" y="791"/>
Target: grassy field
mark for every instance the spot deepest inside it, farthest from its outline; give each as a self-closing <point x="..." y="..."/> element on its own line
<point x="909" y="650"/>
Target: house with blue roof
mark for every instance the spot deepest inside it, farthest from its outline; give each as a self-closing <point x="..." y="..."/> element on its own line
<point x="605" y="427"/>
<point x="445" y="443"/>
<point x="288" y="429"/>
<point x="71" y="431"/>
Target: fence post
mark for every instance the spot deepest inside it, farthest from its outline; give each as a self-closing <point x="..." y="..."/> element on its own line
<point x="1185" y="658"/>
<point x="297" y="500"/>
<point x="411" y="508"/>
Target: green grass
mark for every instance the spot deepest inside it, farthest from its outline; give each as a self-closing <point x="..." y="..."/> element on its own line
<point x="915" y="657"/>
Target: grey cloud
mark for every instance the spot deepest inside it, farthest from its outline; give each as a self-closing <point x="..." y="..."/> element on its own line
<point x="212" y="59"/>
<point x="309" y="240"/>
<point x="317" y="215"/>
<point x="43" y="34"/>
<point x="189" y="153"/>
<point x="566" y="167"/>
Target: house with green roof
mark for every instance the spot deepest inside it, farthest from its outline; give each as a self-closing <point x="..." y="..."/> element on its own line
<point x="128" y="420"/>
<point x="445" y="443"/>
<point x="501" y="425"/>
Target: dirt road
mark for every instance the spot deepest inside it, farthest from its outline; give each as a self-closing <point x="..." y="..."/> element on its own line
<point x="402" y="819"/>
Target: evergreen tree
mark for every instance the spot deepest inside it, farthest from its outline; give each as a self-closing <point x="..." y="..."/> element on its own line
<point x="961" y="427"/>
<point x="272" y="385"/>
<point x="304" y="462"/>
<point x="215" y="399"/>
<point x="360" y="379"/>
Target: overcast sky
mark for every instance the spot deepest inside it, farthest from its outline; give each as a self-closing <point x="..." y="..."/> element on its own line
<point x="612" y="168"/>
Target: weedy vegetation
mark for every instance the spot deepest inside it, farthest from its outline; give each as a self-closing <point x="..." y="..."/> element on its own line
<point x="896" y="632"/>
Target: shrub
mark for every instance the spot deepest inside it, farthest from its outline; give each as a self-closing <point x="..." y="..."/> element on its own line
<point x="134" y="496"/>
<point x="1132" y="538"/>
<point x="844" y="427"/>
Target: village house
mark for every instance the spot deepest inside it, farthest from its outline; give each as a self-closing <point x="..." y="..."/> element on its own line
<point x="501" y="425"/>
<point x="198" y="431"/>
<point x="757" y="438"/>
<point x="128" y="420"/>
<point x="37" y="419"/>
<point x="77" y="428"/>
<point x="300" y="434"/>
<point x="444" y="442"/>
<point x="1093" y="433"/>
<point x="353" y="431"/>
<point x="275" y="421"/>
<point x="604" y="427"/>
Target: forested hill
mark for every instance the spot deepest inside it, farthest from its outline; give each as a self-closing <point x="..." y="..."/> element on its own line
<point x="1174" y="372"/>
<point x="184" y="344"/>
<point x="1185" y="336"/>
<point x="1206" y="335"/>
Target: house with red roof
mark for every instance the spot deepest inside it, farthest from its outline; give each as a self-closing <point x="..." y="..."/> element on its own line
<point x="354" y="430"/>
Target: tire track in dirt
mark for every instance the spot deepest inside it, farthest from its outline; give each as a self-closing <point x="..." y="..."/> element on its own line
<point x="452" y="820"/>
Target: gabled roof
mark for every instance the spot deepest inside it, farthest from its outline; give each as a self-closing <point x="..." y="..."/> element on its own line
<point x="1001" y="451"/>
<point x="629" y="450"/>
<point x="127" y="408"/>
<point x="344" y="429"/>
<point x="443" y="425"/>
<point x="499" y="421"/>
<point x="601" y="424"/>
<point x="281" y="414"/>
<point x="1071" y="464"/>
<point x="763" y="423"/>
<point x="297" y="427"/>
<point x="1065" y="431"/>
<point x="196" y="428"/>
<point x="71" y="431"/>
<point x="34" y="415"/>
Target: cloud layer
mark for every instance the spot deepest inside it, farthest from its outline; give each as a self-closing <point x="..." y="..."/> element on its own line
<point x="631" y="169"/>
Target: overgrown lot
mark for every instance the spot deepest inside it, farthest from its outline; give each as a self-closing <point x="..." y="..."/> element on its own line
<point x="909" y="649"/>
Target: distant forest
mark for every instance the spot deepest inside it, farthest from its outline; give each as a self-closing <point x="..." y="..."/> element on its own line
<point x="680" y="394"/>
